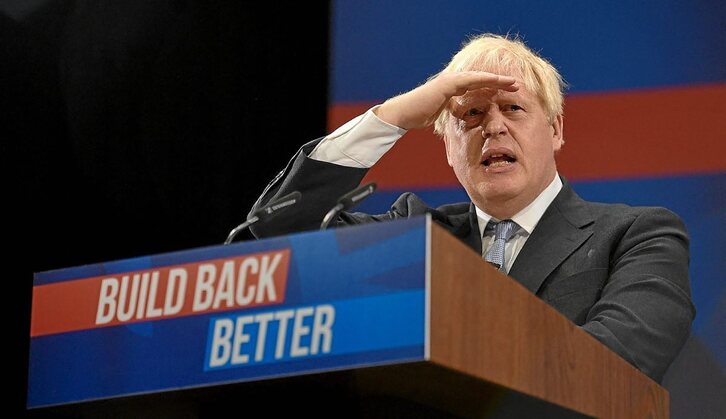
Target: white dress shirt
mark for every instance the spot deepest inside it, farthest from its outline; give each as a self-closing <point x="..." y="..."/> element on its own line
<point x="363" y="140"/>
<point x="360" y="142"/>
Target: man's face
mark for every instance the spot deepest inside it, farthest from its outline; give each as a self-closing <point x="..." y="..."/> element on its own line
<point x="501" y="147"/>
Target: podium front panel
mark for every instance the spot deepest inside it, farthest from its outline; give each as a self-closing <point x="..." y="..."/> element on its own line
<point x="297" y="304"/>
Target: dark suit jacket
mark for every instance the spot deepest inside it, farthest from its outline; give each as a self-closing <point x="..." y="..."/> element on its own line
<point x="619" y="272"/>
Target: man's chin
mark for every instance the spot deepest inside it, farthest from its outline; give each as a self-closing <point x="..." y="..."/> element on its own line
<point x="501" y="187"/>
<point x="499" y="193"/>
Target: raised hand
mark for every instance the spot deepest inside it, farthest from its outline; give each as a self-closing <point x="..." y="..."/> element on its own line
<point x="421" y="106"/>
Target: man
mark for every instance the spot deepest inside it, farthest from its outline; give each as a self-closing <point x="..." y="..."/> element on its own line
<point x="619" y="272"/>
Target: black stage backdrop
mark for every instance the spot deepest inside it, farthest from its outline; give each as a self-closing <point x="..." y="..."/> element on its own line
<point x="137" y="127"/>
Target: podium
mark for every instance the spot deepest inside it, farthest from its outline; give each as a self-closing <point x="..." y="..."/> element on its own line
<point x="388" y="319"/>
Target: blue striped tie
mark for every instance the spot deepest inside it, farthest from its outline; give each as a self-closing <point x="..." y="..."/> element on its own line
<point x="503" y="231"/>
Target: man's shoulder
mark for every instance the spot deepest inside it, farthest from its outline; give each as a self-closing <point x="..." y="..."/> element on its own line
<point x="570" y="202"/>
<point x="621" y="213"/>
<point x="603" y="209"/>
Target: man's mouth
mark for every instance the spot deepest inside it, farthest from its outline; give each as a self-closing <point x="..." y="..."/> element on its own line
<point x="499" y="160"/>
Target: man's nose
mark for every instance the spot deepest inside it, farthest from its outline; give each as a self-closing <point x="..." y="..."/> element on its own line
<point x="493" y="125"/>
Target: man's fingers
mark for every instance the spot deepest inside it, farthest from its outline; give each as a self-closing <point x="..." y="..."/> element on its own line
<point x="472" y="80"/>
<point x="480" y="80"/>
<point x="496" y="79"/>
<point x="508" y="83"/>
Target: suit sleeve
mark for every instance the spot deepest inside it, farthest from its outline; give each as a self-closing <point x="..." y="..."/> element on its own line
<point x="320" y="184"/>
<point x="645" y="310"/>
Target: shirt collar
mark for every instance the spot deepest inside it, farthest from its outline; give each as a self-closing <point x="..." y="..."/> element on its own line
<point x="530" y="215"/>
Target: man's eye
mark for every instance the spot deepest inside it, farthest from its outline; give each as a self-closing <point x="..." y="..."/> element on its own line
<point x="514" y="108"/>
<point x="472" y="112"/>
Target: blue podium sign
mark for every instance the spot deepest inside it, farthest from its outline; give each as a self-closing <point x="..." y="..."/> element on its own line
<point x="297" y="304"/>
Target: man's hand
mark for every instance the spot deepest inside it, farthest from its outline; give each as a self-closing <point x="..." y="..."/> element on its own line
<point x="421" y="106"/>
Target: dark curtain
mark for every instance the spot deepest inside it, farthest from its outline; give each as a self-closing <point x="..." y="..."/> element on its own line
<point x="137" y="127"/>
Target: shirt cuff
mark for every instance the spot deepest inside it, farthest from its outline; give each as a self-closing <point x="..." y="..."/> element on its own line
<point x="360" y="142"/>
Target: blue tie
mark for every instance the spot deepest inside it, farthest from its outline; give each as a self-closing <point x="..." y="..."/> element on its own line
<point x="503" y="231"/>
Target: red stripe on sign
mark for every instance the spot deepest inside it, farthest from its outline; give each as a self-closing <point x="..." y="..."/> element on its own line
<point x="246" y="281"/>
<point x="662" y="132"/>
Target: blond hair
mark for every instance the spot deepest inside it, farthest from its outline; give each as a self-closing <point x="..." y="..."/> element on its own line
<point x="508" y="56"/>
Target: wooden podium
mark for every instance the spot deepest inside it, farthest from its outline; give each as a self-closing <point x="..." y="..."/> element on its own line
<point x="488" y="327"/>
<point x="492" y="350"/>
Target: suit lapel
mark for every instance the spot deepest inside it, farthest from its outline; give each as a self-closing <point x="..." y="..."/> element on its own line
<point x="473" y="237"/>
<point x="562" y="229"/>
<point x="465" y="226"/>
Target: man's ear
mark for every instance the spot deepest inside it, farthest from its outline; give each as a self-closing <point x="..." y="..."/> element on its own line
<point x="558" y="139"/>
<point x="447" y="144"/>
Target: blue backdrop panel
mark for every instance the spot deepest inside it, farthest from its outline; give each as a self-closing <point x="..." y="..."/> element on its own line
<point x="597" y="45"/>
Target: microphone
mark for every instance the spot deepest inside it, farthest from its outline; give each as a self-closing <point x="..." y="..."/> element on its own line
<point x="267" y="212"/>
<point x="348" y="201"/>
